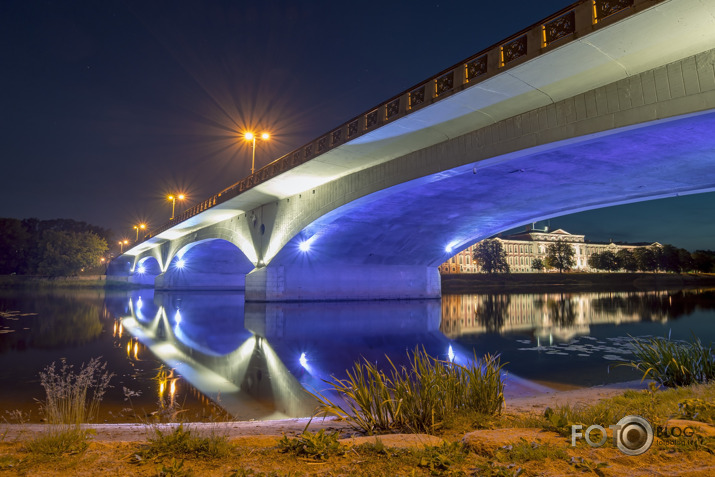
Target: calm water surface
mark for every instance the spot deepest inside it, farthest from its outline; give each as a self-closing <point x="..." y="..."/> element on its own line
<point x="200" y="349"/>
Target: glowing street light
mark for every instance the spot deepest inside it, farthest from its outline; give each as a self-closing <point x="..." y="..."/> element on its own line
<point x="122" y="243"/>
<point x="249" y="136"/>
<point x="173" y="198"/>
<point x="137" y="227"/>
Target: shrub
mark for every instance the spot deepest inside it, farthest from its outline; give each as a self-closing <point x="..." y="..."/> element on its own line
<point x="418" y="398"/>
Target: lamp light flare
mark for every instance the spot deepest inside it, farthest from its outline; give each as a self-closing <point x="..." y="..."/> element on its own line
<point x="303" y="360"/>
<point x="141" y="270"/>
<point x="249" y="136"/>
<point x="304" y="246"/>
<point x="180" y="263"/>
<point x="450" y="354"/>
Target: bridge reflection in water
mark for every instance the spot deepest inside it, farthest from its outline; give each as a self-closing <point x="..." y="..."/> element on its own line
<point x="258" y="367"/>
<point x="257" y="359"/>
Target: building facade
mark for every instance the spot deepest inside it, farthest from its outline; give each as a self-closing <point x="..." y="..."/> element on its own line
<point x="525" y="247"/>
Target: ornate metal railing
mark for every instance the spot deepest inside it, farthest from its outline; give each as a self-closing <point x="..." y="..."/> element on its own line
<point x="572" y="22"/>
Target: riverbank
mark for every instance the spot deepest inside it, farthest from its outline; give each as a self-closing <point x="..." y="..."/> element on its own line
<point x="510" y="445"/>
<point x="571" y="282"/>
<point x="82" y="281"/>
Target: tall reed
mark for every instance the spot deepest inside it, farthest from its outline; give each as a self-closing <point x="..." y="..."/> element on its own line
<point x="673" y="363"/>
<point x="414" y="398"/>
<point x="73" y="398"/>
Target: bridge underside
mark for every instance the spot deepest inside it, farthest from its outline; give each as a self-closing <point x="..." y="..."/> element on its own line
<point x="389" y="244"/>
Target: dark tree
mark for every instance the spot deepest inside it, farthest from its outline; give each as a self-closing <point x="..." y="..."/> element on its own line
<point x="685" y="259"/>
<point x="14" y="242"/>
<point x="491" y="256"/>
<point x="626" y="260"/>
<point x="704" y="261"/>
<point x="560" y="255"/>
<point x="68" y="253"/>
<point x="669" y="259"/>
<point x="605" y="260"/>
<point x="537" y="265"/>
<point x="595" y="262"/>
<point x="646" y="259"/>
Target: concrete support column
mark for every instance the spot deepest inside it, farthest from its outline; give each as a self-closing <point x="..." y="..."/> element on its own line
<point x="342" y="282"/>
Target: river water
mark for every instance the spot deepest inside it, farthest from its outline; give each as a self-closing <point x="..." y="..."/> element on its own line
<point x="208" y="354"/>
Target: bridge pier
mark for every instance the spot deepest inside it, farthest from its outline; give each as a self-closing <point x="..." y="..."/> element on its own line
<point x="342" y="282"/>
<point x="200" y="281"/>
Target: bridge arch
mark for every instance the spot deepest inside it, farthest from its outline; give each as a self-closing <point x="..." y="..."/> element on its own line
<point x="145" y="271"/>
<point x="208" y="263"/>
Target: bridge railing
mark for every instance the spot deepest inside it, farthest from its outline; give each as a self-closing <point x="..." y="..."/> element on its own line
<point x="564" y="26"/>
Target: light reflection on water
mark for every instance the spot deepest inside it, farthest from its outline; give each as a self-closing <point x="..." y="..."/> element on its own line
<point x="575" y="338"/>
<point x="256" y="360"/>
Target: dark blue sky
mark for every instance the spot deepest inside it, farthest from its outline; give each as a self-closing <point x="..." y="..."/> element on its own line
<point x="109" y="105"/>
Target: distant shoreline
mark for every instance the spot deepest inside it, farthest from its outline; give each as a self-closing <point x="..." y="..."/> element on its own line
<point x="571" y="282"/>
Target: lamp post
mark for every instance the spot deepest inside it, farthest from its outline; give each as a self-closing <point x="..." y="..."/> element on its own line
<point x="137" y="227"/>
<point x="249" y="136"/>
<point x="122" y="243"/>
<point x="173" y="198"/>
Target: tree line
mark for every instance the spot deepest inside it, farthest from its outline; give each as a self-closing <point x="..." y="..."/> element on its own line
<point x="58" y="247"/>
<point x="664" y="258"/>
<point x="560" y="255"/>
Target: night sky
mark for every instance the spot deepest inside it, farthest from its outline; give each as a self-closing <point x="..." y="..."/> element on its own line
<point x="107" y="106"/>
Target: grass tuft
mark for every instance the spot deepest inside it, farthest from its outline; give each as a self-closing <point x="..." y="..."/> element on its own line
<point x="182" y="442"/>
<point x="73" y="398"/>
<point x="317" y="446"/>
<point x="419" y="397"/>
<point x="673" y="363"/>
<point x="60" y="441"/>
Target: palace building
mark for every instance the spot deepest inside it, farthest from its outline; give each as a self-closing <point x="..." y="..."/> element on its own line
<point x="524" y="247"/>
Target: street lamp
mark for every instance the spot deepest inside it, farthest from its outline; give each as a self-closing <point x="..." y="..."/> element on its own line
<point x="249" y="136"/>
<point x="137" y="227"/>
<point x="122" y="243"/>
<point x="173" y="198"/>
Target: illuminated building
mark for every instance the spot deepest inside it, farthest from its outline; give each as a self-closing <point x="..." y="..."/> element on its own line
<point x="525" y="247"/>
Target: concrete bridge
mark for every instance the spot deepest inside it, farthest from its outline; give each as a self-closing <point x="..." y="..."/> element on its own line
<point x="603" y="103"/>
